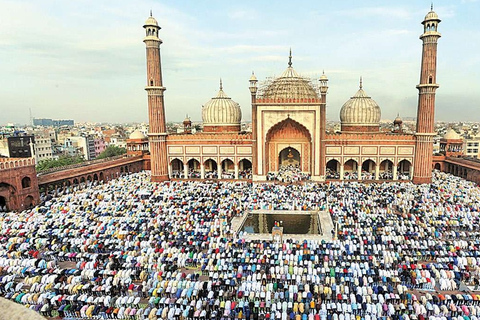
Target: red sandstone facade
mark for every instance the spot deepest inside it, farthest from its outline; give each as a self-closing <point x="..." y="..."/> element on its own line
<point x="289" y="119"/>
<point x="18" y="183"/>
<point x="222" y="129"/>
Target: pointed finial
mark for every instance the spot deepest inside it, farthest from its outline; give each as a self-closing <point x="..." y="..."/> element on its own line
<point x="290" y="58"/>
<point x="221" y="86"/>
<point x="323" y="71"/>
<point x="431" y="6"/>
<point x="150" y="12"/>
<point x="361" y="82"/>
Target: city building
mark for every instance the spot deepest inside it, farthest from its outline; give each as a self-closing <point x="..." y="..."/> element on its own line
<point x="17" y="146"/>
<point x="81" y="145"/>
<point x="43" y="147"/>
<point x="52" y="123"/>
<point x="100" y="145"/>
<point x="289" y="128"/>
<point x="472" y="146"/>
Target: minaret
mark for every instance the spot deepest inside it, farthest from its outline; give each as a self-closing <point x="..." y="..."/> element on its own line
<point x="426" y="100"/>
<point x="253" y="93"/>
<point x="323" y="121"/>
<point x="156" y="109"/>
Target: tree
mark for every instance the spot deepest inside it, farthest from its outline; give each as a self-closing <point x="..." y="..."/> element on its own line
<point x="111" y="151"/>
<point x="60" y="162"/>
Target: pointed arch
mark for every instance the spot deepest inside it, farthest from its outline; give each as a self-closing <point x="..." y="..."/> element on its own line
<point x="284" y="125"/>
<point x="288" y="133"/>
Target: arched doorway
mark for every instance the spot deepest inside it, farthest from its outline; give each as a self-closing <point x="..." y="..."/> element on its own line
<point x="3" y="204"/>
<point x="7" y="192"/>
<point x="368" y="170"/>
<point x="210" y="169"/>
<point x="288" y="137"/>
<point x="350" y="171"/>
<point x="386" y="170"/>
<point x="26" y="182"/>
<point x="228" y="169"/>
<point x="289" y="157"/>
<point x="177" y="168"/>
<point x="333" y="169"/>
<point x="403" y="169"/>
<point x="193" y="168"/>
<point x="244" y="169"/>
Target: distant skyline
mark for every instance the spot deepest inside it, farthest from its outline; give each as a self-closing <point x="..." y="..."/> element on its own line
<point x="85" y="60"/>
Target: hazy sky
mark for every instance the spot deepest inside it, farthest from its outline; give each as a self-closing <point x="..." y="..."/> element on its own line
<point x="85" y="60"/>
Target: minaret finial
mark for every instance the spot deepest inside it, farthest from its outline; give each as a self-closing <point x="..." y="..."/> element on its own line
<point x="361" y="82"/>
<point x="323" y="71"/>
<point x="221" y="86"/>
<point x="290" y="59"/>
<point x="150" y="12"/>
<point x="431" y="6"/>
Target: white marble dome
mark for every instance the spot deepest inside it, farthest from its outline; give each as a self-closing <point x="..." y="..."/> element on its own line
<point x="137" y="134"/>
<point x="221" y="110"/>
<point x="452" y="135"/>
<point x="360" y="110"/>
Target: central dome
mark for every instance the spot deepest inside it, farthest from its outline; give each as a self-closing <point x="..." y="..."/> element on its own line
<point x="360" y="113"/>
<point x="221" y="113"/>
<point x="290" y="85"/>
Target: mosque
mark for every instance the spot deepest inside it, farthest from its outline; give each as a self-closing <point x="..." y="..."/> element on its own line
<point x="289" y="128"/>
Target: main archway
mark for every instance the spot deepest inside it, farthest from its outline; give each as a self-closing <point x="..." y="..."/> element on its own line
<point x="284" y="136"/>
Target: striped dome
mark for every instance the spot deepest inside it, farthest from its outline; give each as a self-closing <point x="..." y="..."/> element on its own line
<point x="290" y="85"/>
<point x="221" y="110"/>
<point x="432" y="15"/>
<point x="360" y="110"/>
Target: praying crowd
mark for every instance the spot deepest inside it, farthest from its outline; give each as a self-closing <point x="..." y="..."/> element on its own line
<point x="353" y="175"/>
<point x="288" y="173"/>
<point x="131" y="249"/>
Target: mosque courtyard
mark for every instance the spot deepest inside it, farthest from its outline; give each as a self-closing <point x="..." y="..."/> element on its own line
<point x="132" y="249"/>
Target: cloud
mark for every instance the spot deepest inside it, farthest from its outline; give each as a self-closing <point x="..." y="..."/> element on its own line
<point x="93" y="51"/>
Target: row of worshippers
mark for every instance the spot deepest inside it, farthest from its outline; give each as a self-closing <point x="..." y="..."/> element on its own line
<point x="130" y="249"/>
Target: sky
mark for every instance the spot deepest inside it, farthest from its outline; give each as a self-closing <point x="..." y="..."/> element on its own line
<point x="85" y="59"/>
